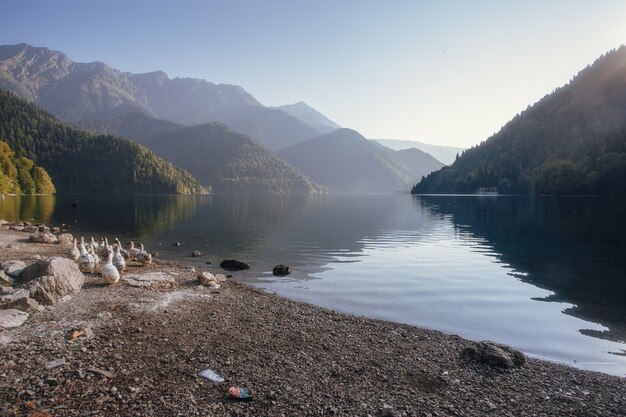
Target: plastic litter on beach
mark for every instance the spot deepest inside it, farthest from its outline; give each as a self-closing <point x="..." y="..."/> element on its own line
<point x="240" y="393"/>
<point x="211" y="376"/>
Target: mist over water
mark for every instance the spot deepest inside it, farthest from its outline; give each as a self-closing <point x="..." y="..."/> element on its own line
<point x="545" y="275"/>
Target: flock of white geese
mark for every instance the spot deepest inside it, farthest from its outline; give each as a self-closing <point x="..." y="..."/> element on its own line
<point x="88" y="255"/>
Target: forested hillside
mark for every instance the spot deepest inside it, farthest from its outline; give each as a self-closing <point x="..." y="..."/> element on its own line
<point x="78" y="161"/>
<point x="570" y="142"/>
<point x="20" y="175"/>
<point x="230" y="161"/>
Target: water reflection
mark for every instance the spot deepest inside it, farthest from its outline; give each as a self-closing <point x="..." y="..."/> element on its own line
<point x="465" y="265"/>
<point x="575" y="247"/>
<point x="136" y="216"/>
<point x="27" y="207"/>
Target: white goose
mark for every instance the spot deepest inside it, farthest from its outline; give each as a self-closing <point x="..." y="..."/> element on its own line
<point x="123" y="251"/>
<point x="109" y="272"/>
<point x="97" y="246"/>
<point x="133" y="251"/>
<point x="96" y="259"/>
<point x="86" y="262"/>
<point x="74" y="253"/>
<point x="143" y="256"/>
<point x="93" y="244"/>
<point x="107" y="248"/>
<point x="118" y="259"/>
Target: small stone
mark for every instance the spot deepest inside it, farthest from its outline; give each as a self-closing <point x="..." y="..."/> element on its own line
<point x="101" y="372"/>
<point x="13" y="268"/>
<point x="12" y="318"/>
<point x="207" y="278"/>
<point x="387" y="411"/>
<point x="494" y="355"/>
<point x="234" y="265"/>
<point x="281" y="270"/>
<point x="177" y="244"/>
<point x="196" y="253"/>
<point x="55" y="363"/>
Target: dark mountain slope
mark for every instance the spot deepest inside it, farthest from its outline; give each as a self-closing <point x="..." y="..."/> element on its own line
<point x="274" y="128"/>
<point x="82" y="162"/>
<point x="346" y="162"/>
<point x="562" y="144"/>
<point x="229" y="161"/>
<point x="133" y="126"/>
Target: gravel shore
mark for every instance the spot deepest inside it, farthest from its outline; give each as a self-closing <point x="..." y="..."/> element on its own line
<point x="145" y="346"/>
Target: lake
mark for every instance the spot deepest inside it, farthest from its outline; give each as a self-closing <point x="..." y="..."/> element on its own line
<point x="545" y="275"/>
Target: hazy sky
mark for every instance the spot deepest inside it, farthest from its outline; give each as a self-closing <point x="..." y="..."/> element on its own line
<point x="443" y="72"/>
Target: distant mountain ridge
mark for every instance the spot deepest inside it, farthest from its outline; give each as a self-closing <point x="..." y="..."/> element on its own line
<point x="346" y="162"/>
<point x="229" y="161"/>
<point x="445" y="154"/>
<point x="79" y="91"/>
<point x="310" y="116"/>
<point x="91" y="91"/>
<point x="573" y="141"/>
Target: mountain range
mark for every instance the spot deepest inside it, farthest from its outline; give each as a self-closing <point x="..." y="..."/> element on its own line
<point x="310" y="116"/>
<point x="445" y="154"/>
<point x="346" y="162"/>
<point x="176" y="118"/>
<point x="91" y="91"/>
<point x="573" y="141"/>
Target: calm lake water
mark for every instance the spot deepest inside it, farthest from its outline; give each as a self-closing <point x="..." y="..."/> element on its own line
<point x="545" y="275"/>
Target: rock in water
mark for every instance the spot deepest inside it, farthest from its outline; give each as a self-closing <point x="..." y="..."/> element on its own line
<point x="494" y="354"/>
<point x="281" y="270"/>
<point x="196" y="253"/>
<point x="12" y="318"/>
<point x="234" y="265"/>
<point x="54" y="278"/>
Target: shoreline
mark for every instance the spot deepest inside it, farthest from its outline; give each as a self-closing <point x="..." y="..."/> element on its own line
<point x="299" y="359"/>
